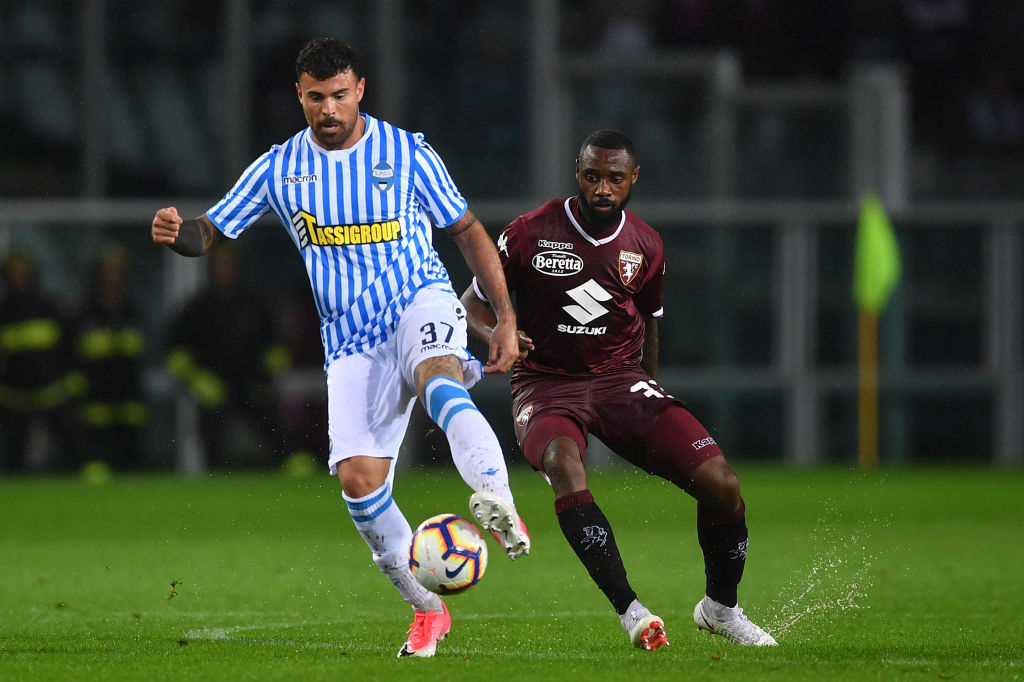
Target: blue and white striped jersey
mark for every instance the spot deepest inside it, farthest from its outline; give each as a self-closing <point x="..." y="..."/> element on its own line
<point x="362" y="220"/>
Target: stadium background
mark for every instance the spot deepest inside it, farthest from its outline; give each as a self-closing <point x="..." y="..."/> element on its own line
<point x="758" y="126"/>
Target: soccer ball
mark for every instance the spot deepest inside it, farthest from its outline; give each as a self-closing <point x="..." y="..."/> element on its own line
<point x="448" y="554"/>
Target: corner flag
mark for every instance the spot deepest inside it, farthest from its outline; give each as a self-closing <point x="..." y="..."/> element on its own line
<point x="877" y="260"/>
<point x="876" y="272"/>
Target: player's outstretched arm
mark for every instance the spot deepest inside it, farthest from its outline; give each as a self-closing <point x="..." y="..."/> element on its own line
<point x="192" y="237"/>
<point x="482" y="258"/>
<point x="480" y="321"/>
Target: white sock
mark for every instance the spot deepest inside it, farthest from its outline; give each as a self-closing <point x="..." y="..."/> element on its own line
<point x="475" y="449"/>
<point x="385" y="529"/>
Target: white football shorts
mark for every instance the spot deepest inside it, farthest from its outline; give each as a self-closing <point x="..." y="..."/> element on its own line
<point x="370" y="395"/>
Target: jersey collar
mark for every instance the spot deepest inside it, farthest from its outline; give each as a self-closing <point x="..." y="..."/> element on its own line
<point x="343" y="153"/>
<point x="585" y="234"/>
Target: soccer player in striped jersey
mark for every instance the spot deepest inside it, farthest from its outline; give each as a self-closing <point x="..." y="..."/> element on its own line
<point x="588" y="277"/>
<point x="360" y="198"/>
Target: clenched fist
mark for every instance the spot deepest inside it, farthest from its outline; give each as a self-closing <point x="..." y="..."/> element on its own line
<point x="166" y="224"/>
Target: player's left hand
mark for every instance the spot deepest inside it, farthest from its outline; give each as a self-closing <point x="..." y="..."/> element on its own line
<point x="504" y="347"/>
<point x="525" y="345"/>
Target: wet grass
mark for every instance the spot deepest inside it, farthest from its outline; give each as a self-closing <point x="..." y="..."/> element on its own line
<point x="909" y="574"/>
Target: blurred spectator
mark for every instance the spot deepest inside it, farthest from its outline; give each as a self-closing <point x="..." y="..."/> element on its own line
<point x="304" y="410"/>
<point x="494" y="122"/>
<point x="628" y="26"/>
<point x="787" y="39"/>
<point x="937" y="42"/>
<point x="875" y="31"/>
<point x="37" y="383"/>
<point x="109" y="350"/>
<point x="995" y="113"/>
<point x="618" y="31"/>
<point x="688" y="23"/>
<point x="224" y="347"/>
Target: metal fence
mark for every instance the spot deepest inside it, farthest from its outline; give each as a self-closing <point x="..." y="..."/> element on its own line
<point x="759" y="334"/>
<point x="753" y="187"/>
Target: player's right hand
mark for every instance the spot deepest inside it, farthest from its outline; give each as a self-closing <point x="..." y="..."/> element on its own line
<point x="504" y="346"/>
<point x="166" y="224"/>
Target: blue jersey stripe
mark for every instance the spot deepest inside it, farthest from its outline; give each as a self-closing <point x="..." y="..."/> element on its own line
<point x="359" y="289"/>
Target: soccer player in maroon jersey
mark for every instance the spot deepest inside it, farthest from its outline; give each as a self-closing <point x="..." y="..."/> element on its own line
<point x="588" y="277"/>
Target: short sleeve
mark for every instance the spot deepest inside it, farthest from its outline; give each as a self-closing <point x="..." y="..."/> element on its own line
<point x="435" y="189"/>
<point x="510" y="252"/>
<point x="508" y="255"/>
<point x="246" y="202"/>
<point x="649" y="298"/>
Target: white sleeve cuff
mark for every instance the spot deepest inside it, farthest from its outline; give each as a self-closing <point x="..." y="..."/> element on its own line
<point x="479" y="294"/>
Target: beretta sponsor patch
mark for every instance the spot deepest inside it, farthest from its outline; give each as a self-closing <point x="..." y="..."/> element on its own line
<point x="557" y="263"/>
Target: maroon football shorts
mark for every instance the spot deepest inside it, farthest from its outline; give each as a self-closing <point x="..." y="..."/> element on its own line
<point x="626" y="409"/>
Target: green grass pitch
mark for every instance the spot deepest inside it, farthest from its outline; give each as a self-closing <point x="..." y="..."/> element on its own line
<point x="908" y="574"/>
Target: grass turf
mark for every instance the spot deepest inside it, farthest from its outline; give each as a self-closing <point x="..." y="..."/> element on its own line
<point x="910" y="574"/>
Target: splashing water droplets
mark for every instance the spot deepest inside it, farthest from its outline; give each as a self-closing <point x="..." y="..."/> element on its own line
<point x="836" y="582"/>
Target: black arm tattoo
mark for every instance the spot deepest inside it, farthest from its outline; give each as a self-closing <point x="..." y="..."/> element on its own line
<point x="459" y="230"/>
<point x="195" y="237"/>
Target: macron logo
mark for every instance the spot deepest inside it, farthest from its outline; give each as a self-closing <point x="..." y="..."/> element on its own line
<point x="298" y="179"/>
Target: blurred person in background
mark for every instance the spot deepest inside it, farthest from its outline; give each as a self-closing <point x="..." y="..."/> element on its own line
<point x="304" y="406"/>
<point x="588" y="277"/>
<point x="361" y="200"/>
<point x="37" y="380"/>
<point x="109" y="351"/>
<point x="224" y="347"/>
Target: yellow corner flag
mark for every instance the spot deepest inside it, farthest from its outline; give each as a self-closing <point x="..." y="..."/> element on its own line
<point x="877" y="261"/>
<point x="876" y="272"/>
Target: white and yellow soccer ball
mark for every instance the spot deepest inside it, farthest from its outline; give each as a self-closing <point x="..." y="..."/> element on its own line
<point x="448" y="554"/>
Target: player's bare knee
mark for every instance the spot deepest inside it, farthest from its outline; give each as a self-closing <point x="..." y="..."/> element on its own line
<point x="564" y="466"/>
<point x="717" y="485"/>
<point x="359" y="478"/>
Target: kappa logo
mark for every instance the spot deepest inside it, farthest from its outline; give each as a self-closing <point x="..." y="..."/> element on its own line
<point x="629" y="265"/>
<point x="558" y="246"/>
<point x="524" y="415"/>
<point x="383" y="176"/>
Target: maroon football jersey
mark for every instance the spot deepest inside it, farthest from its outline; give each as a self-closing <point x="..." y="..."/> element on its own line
<point x="581" y="299"/>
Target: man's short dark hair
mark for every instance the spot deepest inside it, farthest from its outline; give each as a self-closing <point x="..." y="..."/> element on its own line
<point x="610" y="139"/>
<point x="324" y="58"/>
